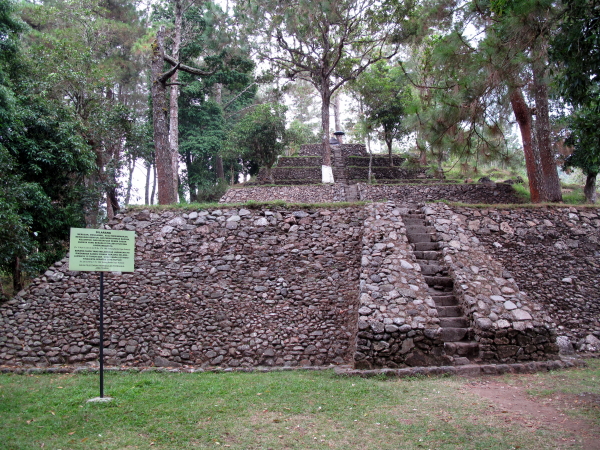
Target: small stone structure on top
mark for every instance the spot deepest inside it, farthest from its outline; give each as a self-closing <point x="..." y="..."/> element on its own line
<point x="350" y="164"/>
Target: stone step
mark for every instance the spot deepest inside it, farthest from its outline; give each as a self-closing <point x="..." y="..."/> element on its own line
<point x="444" y="300"/>
<point x="425" y="246"/>
<point x="464" y="348"/>
<point x="449" y="311"/>
<point x="439" y="281"/>
<point x="414" y="238"/>
<point x="431" y="262"/>
<point x="410" y="216"/>
<point x="419" y="229"/>
<point x="412" y="222"/>
<point x="432" y="269"/>
<point x="454" y="322"/>
<point x="352" y="193"/>
<point x="440" y="290"/>
<point x="453" y="334"/>
<point x="426" y="255"/>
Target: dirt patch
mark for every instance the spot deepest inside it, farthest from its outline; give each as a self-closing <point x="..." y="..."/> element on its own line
<point x="516" y="405"/>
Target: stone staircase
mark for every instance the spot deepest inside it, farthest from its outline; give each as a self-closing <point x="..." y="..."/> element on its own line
<point x="352" y="194"/>
<point x="455" y="331"/>
<point x="338" y="166"/>
<point x="340" y="174"/>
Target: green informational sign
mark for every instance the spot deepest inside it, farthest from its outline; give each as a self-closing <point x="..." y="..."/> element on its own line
<point x="101" y="250"/>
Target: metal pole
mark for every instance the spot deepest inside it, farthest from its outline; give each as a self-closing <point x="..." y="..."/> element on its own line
<point x="101" y="334"/>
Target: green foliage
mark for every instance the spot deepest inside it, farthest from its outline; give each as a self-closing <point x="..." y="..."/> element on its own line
<point x="81" y="57"/>
<point x="576" y="50"/>
<point x="206" y="117"/>
<point x="9" y="38"/>
<point x="585" y="140"/>
<point x="299" y="134"/>
<point x="260" y="135"/>
<point x="460" y="108"/>
<point x="326" y="43"/>
<point x="384" y="93"/>
<point x="43" y="160"/>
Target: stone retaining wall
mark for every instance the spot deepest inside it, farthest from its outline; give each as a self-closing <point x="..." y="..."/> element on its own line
<point x="233" y="288"/>
<point x="466" y="193"/>
<point x="311" y="150"/>
<point x="307" y="287"/>
<point x="324" y="193"/>
<point x="553" y="254"/>
<point x="353" y="150"/>
<point x="300" y="161"/>
<point x="304" y="175"/>
<point x="398" y="323"/>
<point x="378" y="161"/>
<point x="404" y="193"/>
<point x="384" y="173"/>
<point x="346" y="149"/>
<point x="508" y="325"/>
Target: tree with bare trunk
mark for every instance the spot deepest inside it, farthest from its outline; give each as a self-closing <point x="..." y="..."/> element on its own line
<point x="165" y="167"/>
<point x="327" y="43"/>
<point x="479" y="79"/>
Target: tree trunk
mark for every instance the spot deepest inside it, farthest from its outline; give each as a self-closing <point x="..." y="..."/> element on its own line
<point x="370" y="177"/>
<point x="440" y="168"/>
<point x="113" y="201"/>
<point x="325" y="97"/>
<point x="129" y="180"/>
<point x="110" y="212"/>
<point x="91" y="212"/>
<point x="147" y="187"/>
<point x="422" y="149"/>
<point x="218" y="160"/>
<point x="325" y="104"/>
<point x="219" y="167"/>
<point x="551" y="183"/>
<point x="153" y="184"/>
<point x="336" y="115"/>
<point x="523" y="116"/>
<point x="173" y="102"/>
<point x="17" y="275"/>
<point x="590" y="188"/>
<point x="163" y="161"/>
<point x="191" y="185"/>
<point x="389" y="143"/>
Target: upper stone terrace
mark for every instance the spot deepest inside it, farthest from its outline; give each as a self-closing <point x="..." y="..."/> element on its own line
<point x="350" y="163"/>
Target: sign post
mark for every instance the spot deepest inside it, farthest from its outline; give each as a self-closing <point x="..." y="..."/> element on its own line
<point x="101" y="251"/>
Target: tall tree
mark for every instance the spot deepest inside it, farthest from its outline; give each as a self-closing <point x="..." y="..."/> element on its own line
<point x="494" y="54"/>
<point x="166" y="170"/>
<point x="385" y="94"/>
<point x="261" y="135"/>
<point x="196" y="47"/>
<point x="576" y="51"/>
<point x="84" y="59"/>
<point x="205" y="119"/>
<point x="328" y="43"/>
<point x="43" y="161"/>
<point x="519" y="31"/>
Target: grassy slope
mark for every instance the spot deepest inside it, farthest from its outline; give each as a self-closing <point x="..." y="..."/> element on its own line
<point x="280" y="410"/>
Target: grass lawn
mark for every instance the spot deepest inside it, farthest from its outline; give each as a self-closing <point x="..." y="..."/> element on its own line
<point x="278" y="410"/>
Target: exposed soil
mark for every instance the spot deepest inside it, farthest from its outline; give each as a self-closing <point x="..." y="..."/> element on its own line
<point x="549" y="412"/>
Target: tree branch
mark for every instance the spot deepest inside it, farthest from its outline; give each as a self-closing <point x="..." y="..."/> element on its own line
<point x="165" y="76"/>
<point x="188" y="69"/>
